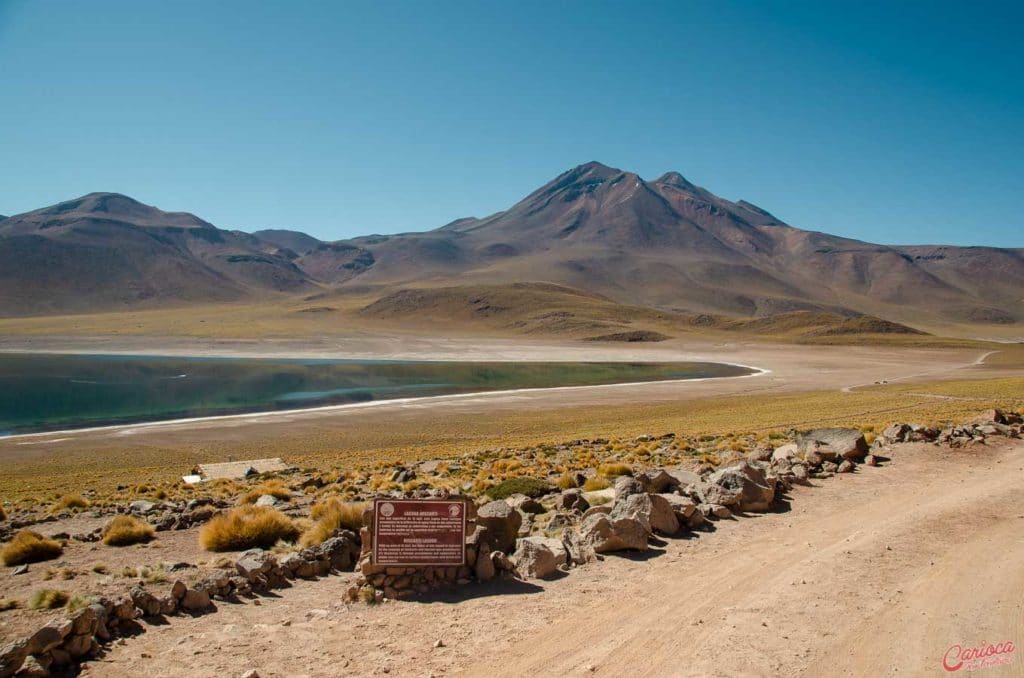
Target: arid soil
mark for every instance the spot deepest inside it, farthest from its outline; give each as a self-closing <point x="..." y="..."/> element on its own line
<point x="874" y="573"/>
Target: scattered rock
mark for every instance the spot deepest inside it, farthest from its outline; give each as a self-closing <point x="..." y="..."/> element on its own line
<point x="538" y="557"/>
<point x="831" y="443"/>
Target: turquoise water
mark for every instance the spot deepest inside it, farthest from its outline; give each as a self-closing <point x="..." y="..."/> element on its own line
<point x="41" y="392"/>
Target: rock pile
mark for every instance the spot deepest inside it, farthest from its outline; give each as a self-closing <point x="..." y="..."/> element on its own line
<point x="64" y="641"/>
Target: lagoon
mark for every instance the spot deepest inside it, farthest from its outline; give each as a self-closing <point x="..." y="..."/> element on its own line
<point x="41" y="392"/>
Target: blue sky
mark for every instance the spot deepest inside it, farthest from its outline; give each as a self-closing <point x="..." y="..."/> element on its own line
<point x="891" y="122"/>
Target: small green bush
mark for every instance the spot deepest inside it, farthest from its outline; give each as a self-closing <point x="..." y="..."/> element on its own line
<point x="531" y="487"/>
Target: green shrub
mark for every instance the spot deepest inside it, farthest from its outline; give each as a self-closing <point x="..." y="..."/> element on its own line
<point x="531" y="487"/>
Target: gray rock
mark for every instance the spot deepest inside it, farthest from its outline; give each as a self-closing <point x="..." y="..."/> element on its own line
<point x="656" y="481"/>
<point x="484" y="568"/>
<point x="832" y="443"/>
<point x="34" y="667"/>
<point x="720" y="512"/>
<point x="650" y="510"/>
<point x="196" y="601"/>
<point x="897" y="433"/>
<point x="785" y="452"/>
<point x="142" y="507"/>
<point x="603" y="534"/>
<point x="743" y="486"/>
<point x="579" y="552"/>
<point x="20" y="569"/>
<point x="342" y="551"/>
<point x="145" y="601"/>
<point x="846" y="466"/>
<point x="538" y="557"/>
<point x="627" y="485"/>
<point x="255" y="562"/>
<point x="572" y="500"/>
<point x="49" y="636"/>
<point x="525" y="504"/>
<point x="12" y="656"/>
<point x="501" y="523"/>
<point x="683" y="507"/>
<point x="268" y="500"/>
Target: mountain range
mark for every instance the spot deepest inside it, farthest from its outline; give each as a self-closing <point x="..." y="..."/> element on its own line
<point x="665" y="244"/>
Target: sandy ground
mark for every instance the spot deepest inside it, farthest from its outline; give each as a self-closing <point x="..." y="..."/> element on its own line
<point x="789" y="368"/>
<point x="872" y="574"/>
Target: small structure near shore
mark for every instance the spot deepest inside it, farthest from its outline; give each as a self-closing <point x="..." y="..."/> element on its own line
<point x="237" y="470"/>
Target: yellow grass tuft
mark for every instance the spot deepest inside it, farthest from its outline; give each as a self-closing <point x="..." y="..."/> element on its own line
<point x="566" y="481"/>
<point x="48" y="599"/>
<point x="275" y="488"/>
<point x="7" y="604"/>
<point x="70" y="502"/>
<point x="330" y="516"/>
<point x="614" y="470"/>
<point x="247" y="527"/>
<point x="30" y="547"/>
<point x="126" y="530"/>
<point x="595" y="484"/>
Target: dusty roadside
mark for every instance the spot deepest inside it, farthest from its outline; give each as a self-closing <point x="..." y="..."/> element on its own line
<point x="875" y="573"/>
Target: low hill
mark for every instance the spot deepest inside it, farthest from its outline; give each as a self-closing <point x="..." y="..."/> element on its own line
<point x="105" y="250"/>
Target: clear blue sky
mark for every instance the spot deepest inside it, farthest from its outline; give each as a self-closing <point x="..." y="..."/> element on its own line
<point x="895" y="122"/>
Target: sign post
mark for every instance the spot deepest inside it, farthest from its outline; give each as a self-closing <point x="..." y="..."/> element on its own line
<point x="419" y="532"/>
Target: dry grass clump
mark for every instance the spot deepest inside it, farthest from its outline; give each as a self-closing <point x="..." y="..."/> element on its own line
<point x="30" y="547"/>
<point x="101" y="568"/>
<point x="332" y="515"/>
<point x="614" y="470"/>
<point x="247" y="527"/>
<point x="595" y="484"/>
<point x="48" y="599"/>
<point x="275" y="488"/>
<point x="70" y="502"/>
<point x="79" y="602"/>
<point x="126" y="530"/>
<point x="8" y="604"/>
<point x="566" y="481"/>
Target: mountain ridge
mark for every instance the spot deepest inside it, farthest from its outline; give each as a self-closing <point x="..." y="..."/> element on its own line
<point x="667" y="244"/>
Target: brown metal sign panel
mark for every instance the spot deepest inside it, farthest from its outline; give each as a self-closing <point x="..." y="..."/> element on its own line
<point x="419" y="532"/>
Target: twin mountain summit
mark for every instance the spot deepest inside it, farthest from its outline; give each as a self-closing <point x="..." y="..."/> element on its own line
<point x="665" y="244"/>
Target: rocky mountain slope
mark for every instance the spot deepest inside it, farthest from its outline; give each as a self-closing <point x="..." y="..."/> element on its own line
<point x="105" y="250"/>
<point x="666" y="244"/>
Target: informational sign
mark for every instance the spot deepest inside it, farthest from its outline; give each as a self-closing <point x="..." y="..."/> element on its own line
<point x="419" y="532"/>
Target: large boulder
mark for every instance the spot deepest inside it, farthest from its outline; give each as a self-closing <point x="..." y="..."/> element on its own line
<point x="572" y="500"/>
<point x="682" y="507"/>
<point x="896" y="433"/>
<point x="524" y="504"/>
<point x="538" y="557"/>
<point x="743" y="486"/>
<point x="684" y="477"/>
<point x="653" y="512"/>
<point x="604" y="534"/>
<point x="342" y="550"/>
<point x="501" y="525"/>
<point x="832" y="443"/>
<point x="656" y="481"/>
<point x="627" y="485"/>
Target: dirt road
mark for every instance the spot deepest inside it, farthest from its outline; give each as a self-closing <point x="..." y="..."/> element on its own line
<point x="872" y="574"/>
